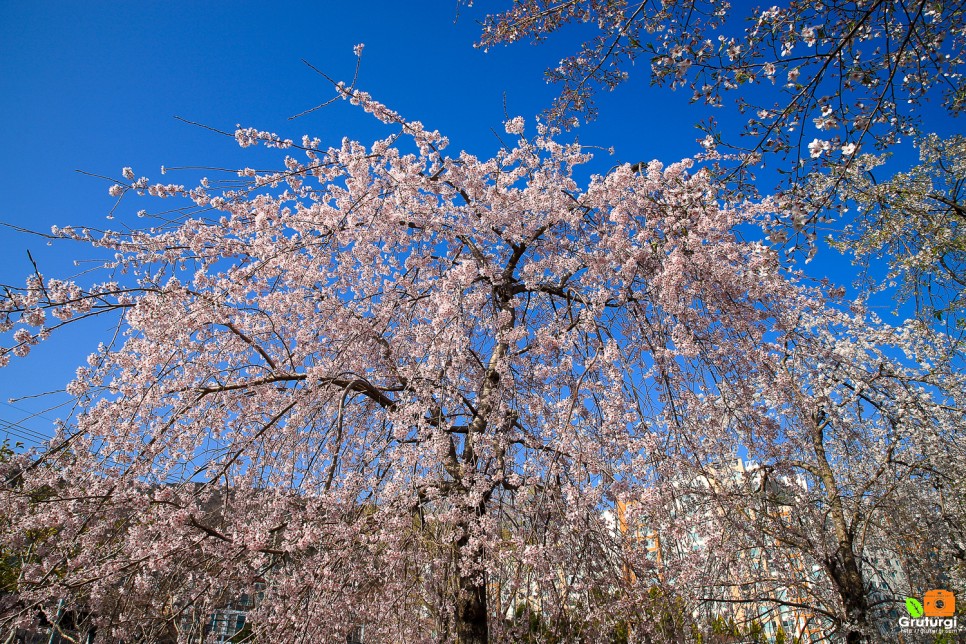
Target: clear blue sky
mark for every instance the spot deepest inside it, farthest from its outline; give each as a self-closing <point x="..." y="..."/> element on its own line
<point x="95" y="86"/>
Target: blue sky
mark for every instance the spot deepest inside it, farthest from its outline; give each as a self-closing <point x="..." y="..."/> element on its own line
<point x="96" y="86"/>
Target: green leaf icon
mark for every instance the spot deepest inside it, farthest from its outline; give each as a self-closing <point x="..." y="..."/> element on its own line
<point x="914" y="606"/>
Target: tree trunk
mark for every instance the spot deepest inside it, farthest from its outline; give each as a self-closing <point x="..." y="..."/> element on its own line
<point x="848" y="578"/>
<point x="844" y="566"/>
<point x="471" y="626"/>
<point x="470" y="613"/>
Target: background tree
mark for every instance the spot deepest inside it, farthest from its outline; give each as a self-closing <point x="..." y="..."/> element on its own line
<point x="815" y="84"/>
<point x="914" y="220"/>
<point x="401" y="388"/>
<point x="843" y="475"/>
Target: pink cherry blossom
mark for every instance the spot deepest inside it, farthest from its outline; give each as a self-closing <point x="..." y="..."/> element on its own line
<point x="389" y="389"/>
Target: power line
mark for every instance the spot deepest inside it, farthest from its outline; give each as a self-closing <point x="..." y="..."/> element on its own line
<point x="21" y="433"/>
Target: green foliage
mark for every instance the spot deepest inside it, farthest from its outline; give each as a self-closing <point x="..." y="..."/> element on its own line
<point x="780" y="636"/>
<point x="916" y="221"/>
<point x="728" y="630"/>
<point x="9" y="563"/>
<point x="538" y="629"/>
<point x="668" y="616"/>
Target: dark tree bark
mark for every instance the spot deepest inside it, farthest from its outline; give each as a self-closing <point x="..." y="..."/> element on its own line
<point x="845" y="571"/>
<point x="844" y="566"/>
<point x="471" y="608"/>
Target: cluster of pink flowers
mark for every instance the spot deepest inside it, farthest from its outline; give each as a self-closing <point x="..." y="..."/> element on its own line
<point x="381" y="384"/>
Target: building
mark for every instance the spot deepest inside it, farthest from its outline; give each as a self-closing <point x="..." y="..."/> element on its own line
<point x="762" y="586"/>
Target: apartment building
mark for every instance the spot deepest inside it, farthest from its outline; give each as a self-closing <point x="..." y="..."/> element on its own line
<point x="762" y="585"/>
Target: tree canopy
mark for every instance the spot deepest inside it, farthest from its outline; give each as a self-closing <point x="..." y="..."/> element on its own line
<point x="403" y="391"/>
<point x="817" y="89"/>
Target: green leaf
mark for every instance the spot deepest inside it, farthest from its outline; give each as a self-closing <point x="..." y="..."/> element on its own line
<point x="914" y="606"/>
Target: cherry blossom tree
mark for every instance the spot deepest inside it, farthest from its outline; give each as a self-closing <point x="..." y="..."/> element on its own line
<point x="856" y="70"/>
<point x="840" y="478"/>
<point x="815" y="84"/>
<point x="397" y="392"/>
<point x="914" y="220"/>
